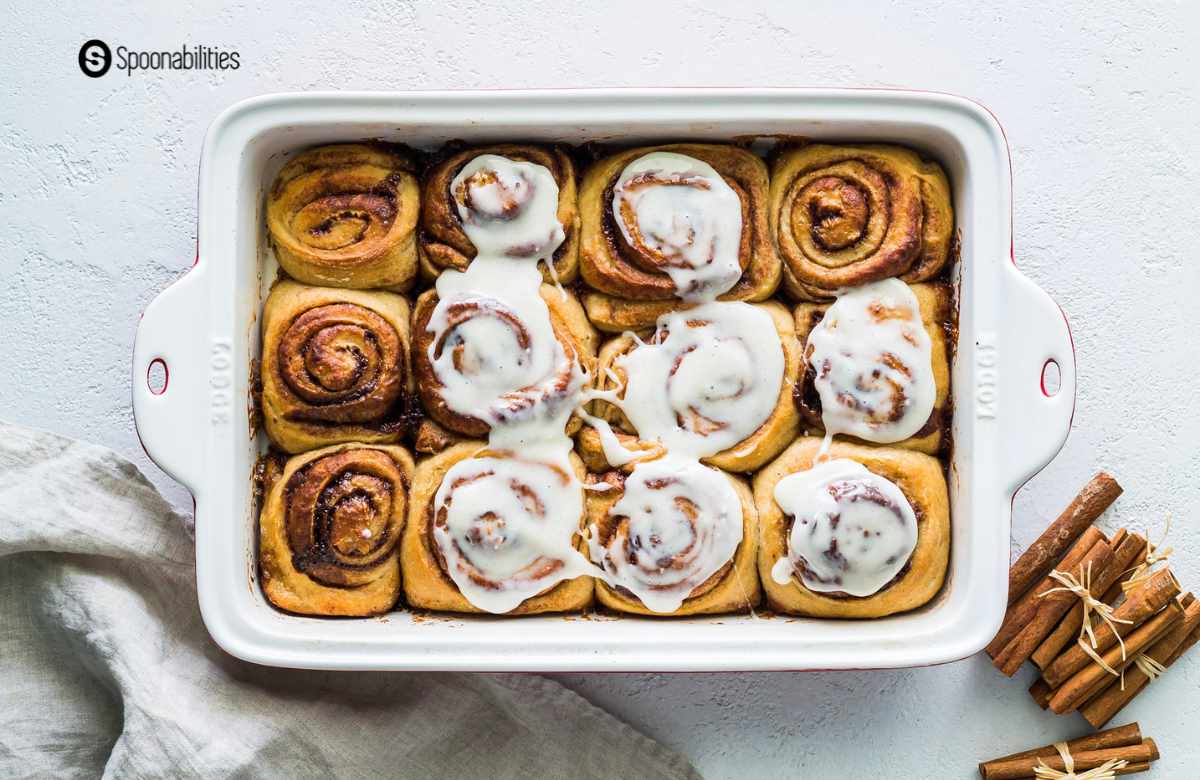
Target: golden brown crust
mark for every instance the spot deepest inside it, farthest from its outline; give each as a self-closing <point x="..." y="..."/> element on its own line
<point x="734" y="588"/>
<point x="443" y="242"/>
<point x="334" y="366"/>
<point x="329" y="532"/>
<point x="775" y="433"/>
<point x="918" y="476"/>
<point x="567" y="318"/>
<point x="611" y="267"/>
<point x="346" y="215"/>
<point x="426" y="583"/>
<point x="935" y="303"/>
<point x="842" y="216"/>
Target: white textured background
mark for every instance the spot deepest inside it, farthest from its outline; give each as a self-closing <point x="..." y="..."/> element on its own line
<point x="1099" y="100"/>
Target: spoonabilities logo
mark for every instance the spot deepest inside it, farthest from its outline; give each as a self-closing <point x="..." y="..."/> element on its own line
<point x="95" y="58"/>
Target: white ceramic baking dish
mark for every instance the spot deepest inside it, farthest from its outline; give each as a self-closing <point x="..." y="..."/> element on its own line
<point x="204" y="328"/>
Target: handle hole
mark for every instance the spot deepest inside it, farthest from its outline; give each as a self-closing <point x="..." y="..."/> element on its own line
<point x="157" y="376"/>
<point x="1051" y="378"/>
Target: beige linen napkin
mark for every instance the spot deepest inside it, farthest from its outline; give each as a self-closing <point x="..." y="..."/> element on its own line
<point x="106" y="668"/>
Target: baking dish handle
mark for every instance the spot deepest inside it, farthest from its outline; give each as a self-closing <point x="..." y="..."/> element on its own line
<point x="168" y="375"/>
<point x="1036" y="342"/>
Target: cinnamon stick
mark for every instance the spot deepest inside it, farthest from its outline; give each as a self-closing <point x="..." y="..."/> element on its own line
<point x="1018" y="614"/>
<point x="1118" y="736"/>
<point x="1050" y="609"/>
<point x="1039" y="558"/>
<point x="1102" y="707"/>
<point x="1192" y="639"/>
<point x="1139" y="605"/>
<point x="1041" y="692"/>
<point x="1017" y="768"/>
<point x="1089" y="680"/>
<point x="1127" y="548"/>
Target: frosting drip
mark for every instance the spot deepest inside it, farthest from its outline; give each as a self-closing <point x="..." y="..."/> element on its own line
<point x="852" y="532"/>
<point x="677" y="524"/>
<point x="681" y="217"/>
<point x="504" y="525"/>
<point x="871" y="358"/>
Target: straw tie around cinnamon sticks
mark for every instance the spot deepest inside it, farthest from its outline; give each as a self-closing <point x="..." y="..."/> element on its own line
<point x="1128" y="551"/>
<point x="1140" y="605"/>
<point x="1147" y="667"/>
<point x="1098" y="756"/>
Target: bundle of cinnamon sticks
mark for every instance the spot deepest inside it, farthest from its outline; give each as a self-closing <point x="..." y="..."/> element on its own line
<point x="1137" y="620"/>
<point x="1123" y="746"/>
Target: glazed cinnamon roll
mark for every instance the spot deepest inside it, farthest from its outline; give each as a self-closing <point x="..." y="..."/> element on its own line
<point x="486" y="357"/>
<point x="876" y="365"/>
<point x="497" y="532"/>
<point x="862" y="534"/>
<point x="330" y="530"/>
<point x="674" y="537"/>
<point x="714" y="381"/>
<point x="496" y="193"/>
<point x="683" y="222"/>
<point x="346" y="216"/>
<point x="334" y="366"/>
<point x="842" y="216"/>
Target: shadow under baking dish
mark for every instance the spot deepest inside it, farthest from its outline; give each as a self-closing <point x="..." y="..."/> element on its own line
<point x="205" y="329"/>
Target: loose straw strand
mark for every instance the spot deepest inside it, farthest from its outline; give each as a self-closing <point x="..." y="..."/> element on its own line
<point x="1149" y="666"/>
<point x="1106" y="771"/>
<point x="1091" y="605"/>
<point x="1143" y="570"/>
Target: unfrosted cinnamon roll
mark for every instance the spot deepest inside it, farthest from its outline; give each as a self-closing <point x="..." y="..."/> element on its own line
<point x="876" y="365"/>
<point x="330" y="529"/>
<point x="346" y="216"/>
<point x="842" y="216"/>
<point x="487" y="357"/>
<point x="496" y="532"/>
<point x="334" y="366"/>
<point x="714" y="381"/>
<point x="496" y="193"/>
<point x="681" y="222"/>
<point x="674" y="537"/>
<point x="862" y="534"/>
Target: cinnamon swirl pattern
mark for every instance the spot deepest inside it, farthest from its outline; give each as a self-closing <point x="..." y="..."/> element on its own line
<point x="684" y="222"/>
<point x="864" y="533"/>
<point x="346" y="216"/>
<point x="474" y="185"/>
<point x="334" y="366"/>
<point x="675" y="538"/>
<point x="496" y="532"/>
<point x="330" y="530"/>
<point x="493" y="355"/>
<point x="842" y="216"/>
<point x="710" y="380"/>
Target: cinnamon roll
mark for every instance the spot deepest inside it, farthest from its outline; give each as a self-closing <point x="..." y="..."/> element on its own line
<point x="876" y="365"/>
<point x="488" y="355"/>
<point x="497" y="532"/>
<point x="861" y="534"/>
<point x="496" y="193"/>
<point x="330" y="529"/>
<point x="334" y="366"/>
<point x="346" y="216"/>
<point x="842" y="216"/>
<point x="674" y="537"/>
<point x="714" y="381"/>
<point x="682" y="222"/>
